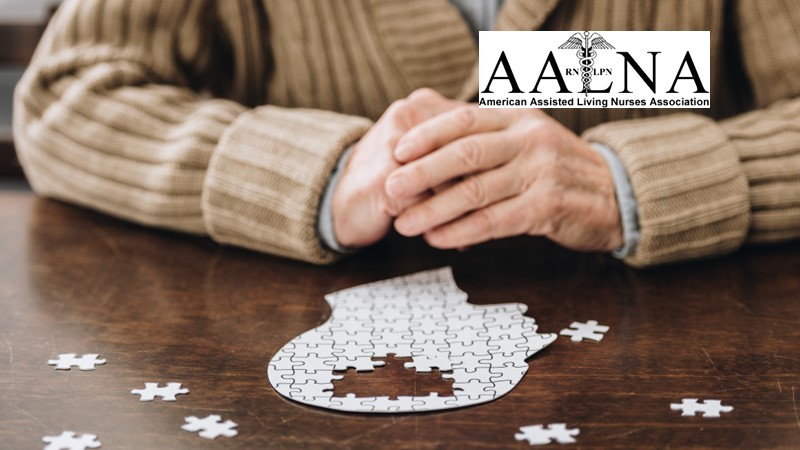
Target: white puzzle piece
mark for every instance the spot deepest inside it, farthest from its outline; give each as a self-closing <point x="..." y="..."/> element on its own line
<point x="423" y="316"/>
<point x="167" y="393"/>
<point x="69" y="440"/>
<point x="211" y="427"/>
<point x="709" y="408"/>
<point x="540" y="435"/>
<point x="66" y="361"/>
<point x="589" y="330"/>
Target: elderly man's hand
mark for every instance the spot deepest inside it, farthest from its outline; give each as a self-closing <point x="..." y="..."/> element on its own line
<point x="362" y="212"/>
<point x="512" y="172"/>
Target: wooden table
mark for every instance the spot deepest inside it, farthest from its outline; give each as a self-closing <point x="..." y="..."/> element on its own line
<point x="164" y="307"/>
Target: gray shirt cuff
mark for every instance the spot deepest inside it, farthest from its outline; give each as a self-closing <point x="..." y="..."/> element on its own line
<point x="325" y="219"/>
<point x="626" y="200"/>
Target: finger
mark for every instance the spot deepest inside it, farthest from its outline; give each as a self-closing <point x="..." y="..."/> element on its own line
<point x="400" y="205"/>
<point x="503" y="219"/>
<point x="393" y="207"/>
<point x="473" y="193"/>
<point x="447" y="127"/>
<point x="462" y="157"/>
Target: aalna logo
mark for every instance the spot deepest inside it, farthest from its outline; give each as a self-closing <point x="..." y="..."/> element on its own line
<point x="606" y="69"/>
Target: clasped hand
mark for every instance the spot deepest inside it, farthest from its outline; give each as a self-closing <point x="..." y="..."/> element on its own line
<point x="460" y="175"/>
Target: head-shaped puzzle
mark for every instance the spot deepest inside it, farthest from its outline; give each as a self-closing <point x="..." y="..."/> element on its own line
<point x="423" y="316"/>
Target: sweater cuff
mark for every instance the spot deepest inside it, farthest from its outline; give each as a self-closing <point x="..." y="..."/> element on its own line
<point x="265" y="180"/>
<point x="690" y="186"/>
<point x="626" y="201"/>
<point x="325" y="222"/>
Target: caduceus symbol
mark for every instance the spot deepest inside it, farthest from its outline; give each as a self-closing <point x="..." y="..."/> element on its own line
<point x="586" y="45"/>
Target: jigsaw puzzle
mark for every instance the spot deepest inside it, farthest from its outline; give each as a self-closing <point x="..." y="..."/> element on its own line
<point x="424" y="317"/>
<point x="540" y="435"/>
<point x="69" y="440"/>
<point x="66" y="361"/>
<point x="167" y="393"/>
<point x="709" y="408"/>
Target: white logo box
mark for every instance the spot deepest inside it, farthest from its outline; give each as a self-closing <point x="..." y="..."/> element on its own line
<point x="681" y="77"/>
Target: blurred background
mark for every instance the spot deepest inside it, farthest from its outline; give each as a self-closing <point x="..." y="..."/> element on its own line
<point x="21" y="25"/>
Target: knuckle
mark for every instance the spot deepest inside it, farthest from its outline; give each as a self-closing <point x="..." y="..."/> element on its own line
<point x="533" y="132"/>
<point x="424" y="95"/>
<point x="398" y="105"/>
<point x="469" y="153"/>
<point x="424" y="213"/>
<point x="465" y="118"/>
<point x="485" y="222"/>
<point x="419" y="175"/>
<point x="401" y="112"/>
<point x="518" y="221"/>
<point x="523" y="216"/>
<point x="474" y="192"/>
<point x="522" y="180"/>
<point x="529" y="125"/>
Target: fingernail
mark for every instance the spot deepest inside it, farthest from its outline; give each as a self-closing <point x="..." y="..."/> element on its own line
<point x="395" y="186"/>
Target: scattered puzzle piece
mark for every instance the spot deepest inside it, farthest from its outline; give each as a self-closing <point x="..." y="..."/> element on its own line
<point x="589" y="330"/>
<point x="539" y="435"/>
<point x="211" y="427"/>
<point x="423" y="316"/>
<point x="709" y="408"/>
<point x="167" y="393"/>
<point x="69" y="440"/>
<point x="66" y="361"/>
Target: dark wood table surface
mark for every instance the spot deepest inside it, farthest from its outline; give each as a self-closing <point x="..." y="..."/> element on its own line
<point x="165" y="307"/>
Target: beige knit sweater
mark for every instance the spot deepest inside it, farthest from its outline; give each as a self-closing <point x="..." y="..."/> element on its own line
<point x="226" y="117"/>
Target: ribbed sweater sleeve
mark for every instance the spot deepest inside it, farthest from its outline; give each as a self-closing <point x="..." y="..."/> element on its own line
<point x="706" y="187"/>
<point x="111" y="115"/>
<point x="767" y="140"/>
